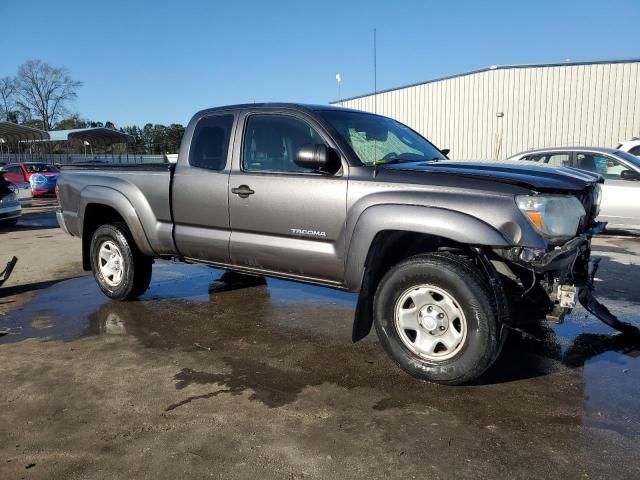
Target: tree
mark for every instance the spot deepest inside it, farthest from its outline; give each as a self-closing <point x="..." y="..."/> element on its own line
<point x="44" y="91"/>
<point x="8" y="99"/>
<point x="74" y="121"/>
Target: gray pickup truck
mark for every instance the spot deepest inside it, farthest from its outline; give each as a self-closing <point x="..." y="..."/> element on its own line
<point x="447" y="256"/>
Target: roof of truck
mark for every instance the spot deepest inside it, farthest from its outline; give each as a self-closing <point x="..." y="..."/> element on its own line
<point x="290" y="106"/>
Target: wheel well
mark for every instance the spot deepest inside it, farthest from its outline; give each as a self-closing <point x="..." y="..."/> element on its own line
<point x="388" y="248"/>
<point x="95" y="215"/>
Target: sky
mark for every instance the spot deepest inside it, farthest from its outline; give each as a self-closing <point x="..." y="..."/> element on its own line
<point x="161" y="61"/>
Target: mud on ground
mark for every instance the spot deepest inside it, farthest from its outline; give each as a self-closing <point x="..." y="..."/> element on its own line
<point x="263" y="382"/>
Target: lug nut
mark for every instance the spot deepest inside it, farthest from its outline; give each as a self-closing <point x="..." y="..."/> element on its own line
<point x="429" y="309"/>
<point x="441" y="315"/>
<point x="432" y="333"/>
<point x="441" y="328"/>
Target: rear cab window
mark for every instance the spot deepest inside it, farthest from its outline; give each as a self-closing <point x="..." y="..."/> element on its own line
<point x="210" y="144"/>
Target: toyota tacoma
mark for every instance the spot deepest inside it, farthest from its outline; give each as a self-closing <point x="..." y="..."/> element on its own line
<point x="447" y="257"/>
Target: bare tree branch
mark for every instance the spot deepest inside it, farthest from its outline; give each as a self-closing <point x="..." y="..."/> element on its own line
<point x="44" y="91"/>
<point x="7" y="97"/>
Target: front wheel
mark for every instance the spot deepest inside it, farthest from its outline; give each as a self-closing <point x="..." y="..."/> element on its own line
<point x="435" y="315"/>
<point x="121" y="271"/>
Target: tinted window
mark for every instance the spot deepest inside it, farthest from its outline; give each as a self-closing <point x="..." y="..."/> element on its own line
<point x="606" y="166"/>
<point x="635" y="151"/>
<point x="271" y="143"/>
<point x="210" y="144"/>
<point x="558" y="160"/>
<point x="40" y="168"/>
<point x="14" y="169"/>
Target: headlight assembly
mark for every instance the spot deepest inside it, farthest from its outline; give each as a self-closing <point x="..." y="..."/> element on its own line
<point x="552" y="215"/>
<point x="597" y="198"/>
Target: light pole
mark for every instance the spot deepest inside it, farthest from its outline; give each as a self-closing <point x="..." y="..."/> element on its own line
<point x="2" y="142"/>
<point x="338" y="80"/>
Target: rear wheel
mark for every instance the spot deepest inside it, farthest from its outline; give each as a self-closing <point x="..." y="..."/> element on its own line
<point x="120" y="270"/>
<point x="436" y="316"/>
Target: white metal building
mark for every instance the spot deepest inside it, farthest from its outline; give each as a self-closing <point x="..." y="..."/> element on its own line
<point x="499" y="111"/>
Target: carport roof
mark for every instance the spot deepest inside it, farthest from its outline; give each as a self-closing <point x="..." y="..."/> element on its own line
<point x="12" y="132"/>
<point x="95" y="136"/>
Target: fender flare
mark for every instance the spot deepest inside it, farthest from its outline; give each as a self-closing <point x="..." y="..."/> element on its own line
<point x="112" y="198"/>
<point x="440" y="222"/>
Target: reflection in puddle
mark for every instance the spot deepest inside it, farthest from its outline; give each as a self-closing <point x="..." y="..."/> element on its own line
<point x="280" y="338"/>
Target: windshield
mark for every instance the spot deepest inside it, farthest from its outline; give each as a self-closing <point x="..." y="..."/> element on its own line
<point x="379" y="140"/>
<point x="632" y="159"/>
<point x="40" y="168"/>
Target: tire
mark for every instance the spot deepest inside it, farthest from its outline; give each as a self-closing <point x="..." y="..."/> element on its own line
<point x="129" y="274"/>
<point x="8" y="223"/>
<point x="450" y="303"/>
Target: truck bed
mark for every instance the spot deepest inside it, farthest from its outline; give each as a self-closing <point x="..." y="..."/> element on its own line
<point x="140" y="189"/>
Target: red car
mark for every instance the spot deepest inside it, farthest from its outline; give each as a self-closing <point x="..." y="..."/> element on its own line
<point x="41" y="176"/>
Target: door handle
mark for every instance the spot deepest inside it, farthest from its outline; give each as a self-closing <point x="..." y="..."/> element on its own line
<point x="243" y="191"/>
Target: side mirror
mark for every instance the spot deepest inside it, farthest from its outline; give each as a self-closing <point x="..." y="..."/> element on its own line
<point x="445" y="152"/>
<point x="629" y="175"/>
<point x="318" y="157"/>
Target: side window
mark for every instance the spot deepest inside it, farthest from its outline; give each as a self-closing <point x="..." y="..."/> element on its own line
<point x="271" y="143"/>
<point x="210" y="144"/>
<point x="558" y="160"/>
<point x="606" y="166"/>
<point x="635" y="151"/>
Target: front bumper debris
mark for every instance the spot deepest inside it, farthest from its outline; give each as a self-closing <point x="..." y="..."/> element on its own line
<point x="566" y="274"/>
<point x="591" y="304"/>
<point x="6" y="273"/>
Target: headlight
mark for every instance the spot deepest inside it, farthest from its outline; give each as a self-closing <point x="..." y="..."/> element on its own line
<point x="38" y="179"/>
<point x="597" y="198"/>
<point x="552" y="215"/>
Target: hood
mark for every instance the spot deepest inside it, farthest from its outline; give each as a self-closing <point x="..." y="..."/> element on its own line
<point x="525" y="174"/>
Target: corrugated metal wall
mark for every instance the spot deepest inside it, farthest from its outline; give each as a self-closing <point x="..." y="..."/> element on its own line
<point x="569" y="104"/>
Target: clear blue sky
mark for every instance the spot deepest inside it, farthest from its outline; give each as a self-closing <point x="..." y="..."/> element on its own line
<point x="160" y="61"/>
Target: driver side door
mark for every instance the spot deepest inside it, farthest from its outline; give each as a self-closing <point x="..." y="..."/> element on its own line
<point x="284" y="218"/>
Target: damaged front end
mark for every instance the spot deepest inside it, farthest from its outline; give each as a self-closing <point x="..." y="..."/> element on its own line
<point x="556" y="280"/>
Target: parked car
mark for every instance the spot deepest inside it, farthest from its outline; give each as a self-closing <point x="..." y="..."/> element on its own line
<point x="440" y="252"/>
<point x="632" y="146"/>
<point x="10" y="209"/>
<point x="620" y="205"/>
<point x="41" y="176"/>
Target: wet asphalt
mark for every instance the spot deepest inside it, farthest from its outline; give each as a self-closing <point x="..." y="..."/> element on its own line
<point x="563" y="401"/>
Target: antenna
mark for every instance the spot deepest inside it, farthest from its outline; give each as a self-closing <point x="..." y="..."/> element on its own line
<point x="375" y="73"/>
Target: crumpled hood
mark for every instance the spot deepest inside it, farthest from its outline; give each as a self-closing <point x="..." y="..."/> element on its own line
<point x="526" y="174"/>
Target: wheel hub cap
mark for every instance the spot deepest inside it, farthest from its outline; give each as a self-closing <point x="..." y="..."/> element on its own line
<point x="110" y="263"/>
<point x="430" y="322"/>
<point x="433" y="319"/>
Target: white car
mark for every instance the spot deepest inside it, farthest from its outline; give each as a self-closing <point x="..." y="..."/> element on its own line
<point x="620" y="205"/>
<point x="632" y="146"/>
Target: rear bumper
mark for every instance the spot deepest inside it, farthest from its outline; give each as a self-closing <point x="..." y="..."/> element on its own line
<point x="61" y="223"/>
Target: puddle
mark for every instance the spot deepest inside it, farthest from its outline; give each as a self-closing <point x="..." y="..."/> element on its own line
<point x="280" y="338"/>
